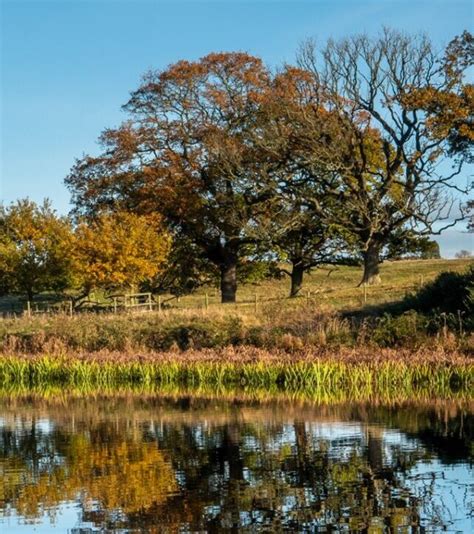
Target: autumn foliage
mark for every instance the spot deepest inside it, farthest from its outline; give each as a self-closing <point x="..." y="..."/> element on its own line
<point x="223" y="163"/>
<point x="119" y="250"/>
<point x="35" y="246"/>
<point x="40" y="251"/>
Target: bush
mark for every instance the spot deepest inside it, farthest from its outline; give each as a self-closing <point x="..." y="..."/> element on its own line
<point x="409" y="329"/>
<point x="450" y="293"/>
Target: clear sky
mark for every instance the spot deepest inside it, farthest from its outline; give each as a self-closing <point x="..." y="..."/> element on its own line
<point x="67" y="65"/>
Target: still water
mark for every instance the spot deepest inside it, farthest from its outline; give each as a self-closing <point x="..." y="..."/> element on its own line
<point x="151" y="464"/>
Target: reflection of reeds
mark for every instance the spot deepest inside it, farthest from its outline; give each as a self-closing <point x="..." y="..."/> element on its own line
<point x="195" y="406"/>
<point x="323" y="380"/>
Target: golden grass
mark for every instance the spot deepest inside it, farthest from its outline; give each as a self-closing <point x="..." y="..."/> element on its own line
<point x="331" y="287"/>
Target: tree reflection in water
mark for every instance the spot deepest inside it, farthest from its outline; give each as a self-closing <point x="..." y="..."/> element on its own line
<point x="209" y="466"/>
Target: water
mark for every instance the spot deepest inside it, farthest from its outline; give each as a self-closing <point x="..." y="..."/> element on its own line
<point x="128" y="464"/>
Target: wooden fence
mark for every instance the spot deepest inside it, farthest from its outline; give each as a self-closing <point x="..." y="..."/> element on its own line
<point x="147" y="302"/>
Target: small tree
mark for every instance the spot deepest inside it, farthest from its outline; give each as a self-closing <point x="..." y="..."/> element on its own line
<point x="119" y="250"/>
<point x="463" y="254"/>
<point x="35" y="249"/>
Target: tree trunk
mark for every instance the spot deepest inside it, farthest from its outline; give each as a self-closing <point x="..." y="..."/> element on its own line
<point x="297" y="272"/>
<point x="29" y="294"/>
<point x="229" y="280"/>
<point x="375" y="450"/>
<point x="371" y="274"/>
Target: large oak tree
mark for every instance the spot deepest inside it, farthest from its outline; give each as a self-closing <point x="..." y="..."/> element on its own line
<point x="187" y="152"/>
<point x="298" y="134"/>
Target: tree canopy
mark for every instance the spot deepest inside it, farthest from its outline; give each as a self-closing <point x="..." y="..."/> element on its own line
<point x="35" y="248"/>
<point x="389" y="163"/>
<point x="119" y="250"/>
<point x="187" y="153"/>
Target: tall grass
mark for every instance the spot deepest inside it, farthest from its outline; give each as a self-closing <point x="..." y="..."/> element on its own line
<point x="304" y="378"/>
<point x="305" y="327"/>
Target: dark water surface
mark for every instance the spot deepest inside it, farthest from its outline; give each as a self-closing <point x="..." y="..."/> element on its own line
<point x="127" y="464"/>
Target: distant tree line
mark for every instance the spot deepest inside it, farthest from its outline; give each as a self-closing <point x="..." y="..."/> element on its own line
<point x="225" y="169"/>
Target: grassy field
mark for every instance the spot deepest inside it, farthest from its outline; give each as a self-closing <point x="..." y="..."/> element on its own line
<point x="335" y="288"/>
<point x="311" y="322"/>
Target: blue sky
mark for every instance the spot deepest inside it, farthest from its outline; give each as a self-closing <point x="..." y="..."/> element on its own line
<point x="68" y="66"/>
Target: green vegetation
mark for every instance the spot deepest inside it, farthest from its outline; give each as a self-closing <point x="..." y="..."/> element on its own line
<point x="450" y="295"/>
<point x="307" y="379"/>
<point x="291" y="346"/>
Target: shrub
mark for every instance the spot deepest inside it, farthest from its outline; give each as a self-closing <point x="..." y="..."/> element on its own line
<point x="451" y="294"/>
<point x="409" y="329"/>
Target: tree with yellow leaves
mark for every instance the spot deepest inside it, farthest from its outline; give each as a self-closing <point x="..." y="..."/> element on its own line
<point x="119" y="250"/>
<point x="35" y="249"/>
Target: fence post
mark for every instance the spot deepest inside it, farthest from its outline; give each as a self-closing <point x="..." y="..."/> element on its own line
<point x="460" y="323"/>
<point x="206" y="301"/>
<point x="445" y="325"/>
<point x="150" y="304"/>
<point x="115" y="304"/>
<point x="71" y="308"/>
<point x="159" y="303"/>
<point x="28" y="308"/>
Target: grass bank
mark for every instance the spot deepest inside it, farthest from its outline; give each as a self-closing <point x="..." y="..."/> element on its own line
<point x="418" y="320"/>
<point x="304" y="328"/>
<point x="303" y="347"/>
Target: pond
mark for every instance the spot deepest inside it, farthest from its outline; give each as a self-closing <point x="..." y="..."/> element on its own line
<point x="188" y="464"/>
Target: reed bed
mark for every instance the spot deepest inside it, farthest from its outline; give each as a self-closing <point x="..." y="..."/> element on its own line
<point x="310" y="376"/>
